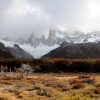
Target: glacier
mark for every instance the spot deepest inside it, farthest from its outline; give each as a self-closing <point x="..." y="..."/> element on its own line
<point x="41" y="46"/>
<point x="36" y="52"/>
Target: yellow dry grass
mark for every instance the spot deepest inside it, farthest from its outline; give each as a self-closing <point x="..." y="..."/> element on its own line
<point x="51" y="86"/>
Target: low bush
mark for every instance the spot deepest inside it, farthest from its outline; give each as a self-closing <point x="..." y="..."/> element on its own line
<point x="96" y="90"/>
<point x="74" y="81"/>
<point x="89" y="80"/>
<point x="78" y="86"/>
<point x="55" y="64"/>
<point x="84" y="76"/>
<point x="45" y="92"/>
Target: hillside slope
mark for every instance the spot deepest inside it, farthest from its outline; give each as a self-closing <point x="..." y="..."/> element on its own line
<point x="13" y="51"/>
<point x="5" y="55"/>
<point x="3" y="52"/>
<point x="75" y="51"/>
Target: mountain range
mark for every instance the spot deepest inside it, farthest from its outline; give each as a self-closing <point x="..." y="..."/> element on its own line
<point x="57" y="37"/>
<point x="37" y="47"/>
<point x="75" y="51"/>
<point x="13" y="52"/>
<point x="4" y="52"/>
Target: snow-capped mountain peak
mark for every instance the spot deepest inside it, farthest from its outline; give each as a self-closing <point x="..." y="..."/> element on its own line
<point x="59" y="35"/>
<point x="40" y="46"/>
<point x="21" y="41"/>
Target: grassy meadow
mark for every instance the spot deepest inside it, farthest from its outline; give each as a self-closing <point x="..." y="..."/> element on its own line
<point x="58" y="79"/>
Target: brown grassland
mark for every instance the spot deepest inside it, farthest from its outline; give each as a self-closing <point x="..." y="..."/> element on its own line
<point x="58" y="79"/>
<point x="50" y="86"/>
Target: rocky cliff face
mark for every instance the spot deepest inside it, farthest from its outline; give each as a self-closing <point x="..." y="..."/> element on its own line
<point x="21" y="41"/>
<point x="4" y="52"/>
<point x="75" y="51"/>
<point x="11" y="52"/>
<point x="18" y="52"/>
<point x="50" y="40"/>
<point x="43" y="40"/>
<point x="33" y="40"/>
<point x="2" y="47"/>
<point x="6" y="39"/>
<point x="57" y="37"/>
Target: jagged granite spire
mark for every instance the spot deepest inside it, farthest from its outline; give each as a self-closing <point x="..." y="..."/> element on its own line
<point x="21" y="41"/>
<point x="43" y="40"/>
<point x="6" y="39"/>
<point x="33" y="40"/>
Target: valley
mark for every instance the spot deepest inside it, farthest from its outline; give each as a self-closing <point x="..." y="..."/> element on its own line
<point x="49" y="50"/>
<point x="50" y="86"/>
<point x="37" y="47"/>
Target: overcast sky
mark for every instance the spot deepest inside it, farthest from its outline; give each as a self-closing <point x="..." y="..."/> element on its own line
<point x="19" y="18"/>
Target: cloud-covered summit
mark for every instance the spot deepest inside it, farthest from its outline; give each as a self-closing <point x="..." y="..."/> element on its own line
<point x="22" y="17"/>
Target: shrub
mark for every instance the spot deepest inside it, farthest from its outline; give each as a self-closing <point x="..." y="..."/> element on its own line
<point x="84" y="76"/>
<point x="96" y="90"/>
<point x="56" y="64"/>
<point x="45" y="92"/>
<point x="61" y="65"/>
<point x="98" y="85"/>
<point x="19" y="91"/>
<point x="89" y="80"/>
<point x="74" y="81"/>
<point x="78" y="86"/>
<point x="61" y="85"/>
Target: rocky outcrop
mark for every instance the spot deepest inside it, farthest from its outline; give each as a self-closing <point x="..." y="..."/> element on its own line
<point x="21" y="41"/>
<point x="43" y="40"/>
<point x="2" y="47"/>
<point x="50" y="40"/>
<point x="75" y="51"/>
<point x="57" y="37"/>
<point x="6" y="39"/>
<point x="33" y="40"/>
<point x="11" y="52"/>
<point x="4" y="52"/>
<point x="18" y="52"/>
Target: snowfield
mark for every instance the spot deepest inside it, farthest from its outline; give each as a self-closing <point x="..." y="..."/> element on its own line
<point x="7" y="43"/>
<point x="36" y="52"/>
<point x="61" y="36"/>
<point x="42" y="49"/>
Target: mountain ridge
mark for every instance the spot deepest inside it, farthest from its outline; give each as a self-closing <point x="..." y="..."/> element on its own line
<point x="75" y="51"/>
<point x="4" y="52"/>
<point x="41" y="46"/>
<point x="57" y="37"/>
<point x="13" y="51"/>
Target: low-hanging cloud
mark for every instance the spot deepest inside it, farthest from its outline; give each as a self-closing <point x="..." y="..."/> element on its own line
<point x="19" y="18"/>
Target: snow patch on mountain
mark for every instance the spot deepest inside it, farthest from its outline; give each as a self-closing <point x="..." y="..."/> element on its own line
<point x="39" y="50"/>
<point x="40" y="46"/>
<point x="7" y="43"/>
<point x="93" y="39"/>
<point x="36" y="52"/>
<point x="61" y="36"/>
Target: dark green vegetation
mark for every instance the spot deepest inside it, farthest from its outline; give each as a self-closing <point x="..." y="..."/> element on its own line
<point x="56" y="65"/>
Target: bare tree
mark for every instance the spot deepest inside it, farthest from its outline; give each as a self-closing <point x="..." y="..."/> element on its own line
<point x="6" y="69"/>
<point x="27" y="68"/>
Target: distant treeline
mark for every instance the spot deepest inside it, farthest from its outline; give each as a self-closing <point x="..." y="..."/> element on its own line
<point x="56" y="64"/>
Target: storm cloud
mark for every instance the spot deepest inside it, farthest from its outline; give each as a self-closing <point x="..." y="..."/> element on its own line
<point x="19" y="18"/>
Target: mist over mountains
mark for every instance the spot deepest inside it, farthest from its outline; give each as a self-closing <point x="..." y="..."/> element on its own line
<point x="67" y="50"/>
<point x="37" y="47"/>
<point x="57" y="37"/>
<point x="21" y="17"/>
